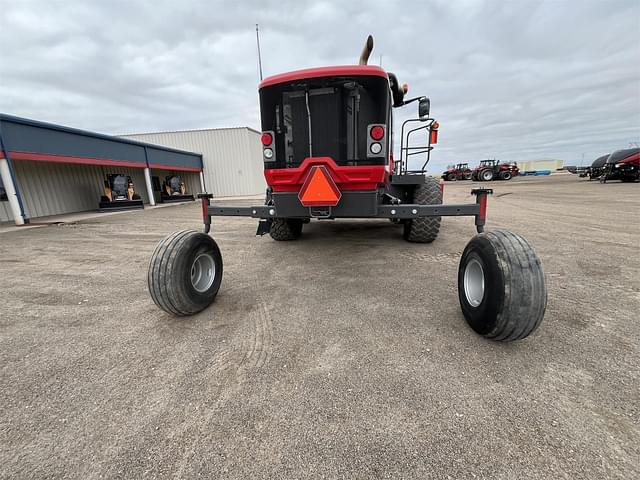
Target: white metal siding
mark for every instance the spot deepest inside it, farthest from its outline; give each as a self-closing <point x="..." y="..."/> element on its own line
<point x="527" y="165"/>
<point x="232" y="157"/>
<point x="5" y="209"/>
<point x="57" y="188"/>
<point x="5" y="212"/>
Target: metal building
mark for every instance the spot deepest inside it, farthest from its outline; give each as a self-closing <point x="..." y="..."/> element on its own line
<point x="536" y="165"/>
<point x="48" y="169"/>
<point x="232" y="157"/>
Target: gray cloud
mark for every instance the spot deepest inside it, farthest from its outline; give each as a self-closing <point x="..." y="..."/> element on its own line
<point x="515" y="80"/>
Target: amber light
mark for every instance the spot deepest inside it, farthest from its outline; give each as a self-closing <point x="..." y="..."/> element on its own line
<point x="266" y="139"/>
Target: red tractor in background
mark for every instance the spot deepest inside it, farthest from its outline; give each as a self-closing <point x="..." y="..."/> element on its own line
<point x="494" y="170"/>
<point x="460" y="172"/>
<point x="327" y="150"/>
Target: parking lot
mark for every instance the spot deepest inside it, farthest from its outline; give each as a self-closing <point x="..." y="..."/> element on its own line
<point x="341" y="355"/>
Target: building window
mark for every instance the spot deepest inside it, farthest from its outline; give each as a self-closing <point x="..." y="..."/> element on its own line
<point x="3" y="192"/>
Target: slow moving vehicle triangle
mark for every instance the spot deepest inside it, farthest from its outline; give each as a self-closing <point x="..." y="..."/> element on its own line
<point x="319" y="189"/>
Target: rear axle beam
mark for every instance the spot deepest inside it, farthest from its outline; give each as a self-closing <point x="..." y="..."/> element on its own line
<point x="401" y="212"/>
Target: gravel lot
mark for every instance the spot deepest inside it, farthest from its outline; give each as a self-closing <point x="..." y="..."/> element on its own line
<point x="342" y="355"/>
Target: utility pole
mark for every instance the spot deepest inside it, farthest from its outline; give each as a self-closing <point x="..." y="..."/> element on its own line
<point x="259" y="55"/>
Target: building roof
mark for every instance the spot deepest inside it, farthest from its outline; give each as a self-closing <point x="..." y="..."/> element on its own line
<point x="26" y="139"/>
<point x="125" y="135"/>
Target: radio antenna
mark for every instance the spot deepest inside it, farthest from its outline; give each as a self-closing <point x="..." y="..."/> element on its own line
<point x="259" y="56"/>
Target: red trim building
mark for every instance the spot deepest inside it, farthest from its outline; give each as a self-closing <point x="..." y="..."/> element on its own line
<point x="48" y="169"/>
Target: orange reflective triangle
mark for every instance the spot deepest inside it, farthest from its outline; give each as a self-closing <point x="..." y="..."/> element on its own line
<point x="319" y="189"/>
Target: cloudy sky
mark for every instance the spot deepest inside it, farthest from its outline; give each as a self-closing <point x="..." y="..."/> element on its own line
<point x="514" y="80"/>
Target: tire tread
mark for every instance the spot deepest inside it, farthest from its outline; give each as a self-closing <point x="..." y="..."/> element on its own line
<point x="522" y="308"/>
<point x="165" y="283"/>
<point x="425" y="229"/>
<point x="285" y="229"/>
<point x="526" y="292"/>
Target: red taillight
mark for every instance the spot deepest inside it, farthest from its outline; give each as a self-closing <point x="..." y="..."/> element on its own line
<point x="266" y="139"/>
<point x="377" y="132"/>
<point x="205" y="204"/>
<point x="483" y="207"/>
<point x="434" y="137"/>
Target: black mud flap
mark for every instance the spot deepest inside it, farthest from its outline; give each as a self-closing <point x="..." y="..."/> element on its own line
<point x="264" y="226"/>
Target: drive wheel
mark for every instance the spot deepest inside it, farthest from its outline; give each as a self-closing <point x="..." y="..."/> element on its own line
<point x="453" y="177"/>
<point x="425" y="229"/>
<point x="185" y="273"/>
<point x="285" y="229"/>
<point x="486" y="175"/>
<point x="501" y="286"/>
<point x="506" y="175"/>
<point x="467" y="175"/>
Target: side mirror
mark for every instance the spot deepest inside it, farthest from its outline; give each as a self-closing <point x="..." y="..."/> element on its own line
<point x="424" y="105"/>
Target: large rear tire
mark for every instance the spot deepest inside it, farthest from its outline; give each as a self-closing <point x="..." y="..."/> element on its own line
<point x="185" y="273"/>
<point x="425" y="229"/>
<point x="501" y="286"/>
<point x="285" y="229"/>
<point x="486" y="175"/>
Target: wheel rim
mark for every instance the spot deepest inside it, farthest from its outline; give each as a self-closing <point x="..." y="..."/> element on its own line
<point x="474" y="282"/>
<point x="487" y="175"/>
<point x="203" y="272"/>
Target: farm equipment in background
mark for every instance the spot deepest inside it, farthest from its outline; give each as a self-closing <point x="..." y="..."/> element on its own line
<point x="174" y="190"/>
<point x="494" y="170"/>
<point x="623" y="165"/>
<point x="460" y="172"/>
<point x="327" y="144"/>
<point x="119" y="194"/>
<point x="596" y="169"/>
<point x="581" y="171"/>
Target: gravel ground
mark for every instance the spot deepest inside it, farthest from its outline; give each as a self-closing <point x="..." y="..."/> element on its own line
<point x="342" y="355"/>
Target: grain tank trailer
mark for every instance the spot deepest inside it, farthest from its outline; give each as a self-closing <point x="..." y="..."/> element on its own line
<point x="327" y="149"/>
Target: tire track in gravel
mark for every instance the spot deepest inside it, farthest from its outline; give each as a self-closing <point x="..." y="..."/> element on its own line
<point x="423" y="256"/>
<point x="257" y="349"/>
<point x="258" y="346"/>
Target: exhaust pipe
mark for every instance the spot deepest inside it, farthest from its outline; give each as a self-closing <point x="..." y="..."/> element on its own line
<point x="366" y="51"/>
